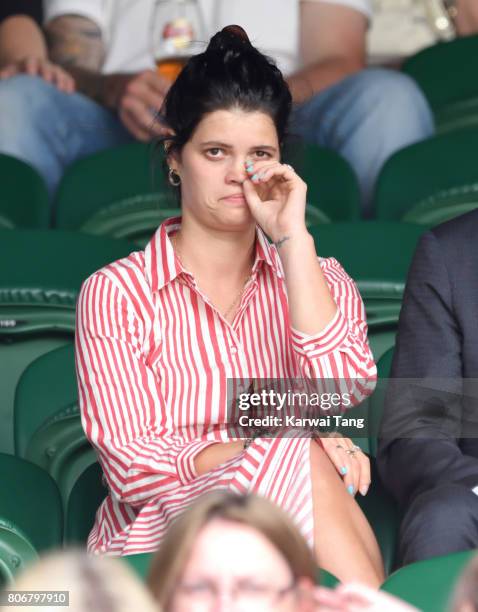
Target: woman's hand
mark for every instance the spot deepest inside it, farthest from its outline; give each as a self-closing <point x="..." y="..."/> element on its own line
<point x="351" y="463"/>
<point x="276" y="196"/>
<point x="35" y="66"/>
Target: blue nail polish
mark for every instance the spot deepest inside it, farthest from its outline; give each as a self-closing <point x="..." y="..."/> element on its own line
<point x="350" y="489"/>
<point x="254" y="177"/>
<point x="343" y="470"/>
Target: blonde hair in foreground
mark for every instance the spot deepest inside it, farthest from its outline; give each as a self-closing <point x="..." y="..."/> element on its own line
<point x="95" y="584"/>
<point x="251" y="510"/>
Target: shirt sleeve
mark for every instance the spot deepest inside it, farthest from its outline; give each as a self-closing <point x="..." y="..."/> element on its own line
<point x="91" y="9"/>
<point x="341" y="350"/>
<point x="362" y="6"/>
<point x="122" y="408"/>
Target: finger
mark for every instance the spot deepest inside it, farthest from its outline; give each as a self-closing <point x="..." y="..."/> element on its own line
<point x="365" y="474"/>
<point x="157" y="82"/>
<point x="354" y="462"/>
<point x="335" y="449"/>
<point x="46" y="72"/>
<point x="132" y="126"/>
<point x="8" y="71"/>
<point x="32" y="66"/>
<point x="143" y="90"/>
<point x="143" y="117"/>
<point x="276" y="170"/>
<point x="252" y="197"/>
<point x="62" y="80"/>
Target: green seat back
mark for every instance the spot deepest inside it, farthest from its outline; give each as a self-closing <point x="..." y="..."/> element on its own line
<point x="16" y="552"/>
<point x="31" y="501"/>
<point x="332" y="186"/>
<point x="120" y="192"/>
<point x="85" y="499"/>
<point x="457" y="93"/>
<point x="430" y="181"/>
<point x="47" y="424"/>
<point x="377" y="255"/>
<point x="24" y="199"/>
<point x="429" y="584"/>
<point x="41" y="272"/>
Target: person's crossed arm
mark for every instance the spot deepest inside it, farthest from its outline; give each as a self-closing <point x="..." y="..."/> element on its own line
<point x="333" y="46"/>
<point x="77" y="44"/>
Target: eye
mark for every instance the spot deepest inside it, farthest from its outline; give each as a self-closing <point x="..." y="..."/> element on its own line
<point x="263" y="154"/>
<point x="214" y="152"/>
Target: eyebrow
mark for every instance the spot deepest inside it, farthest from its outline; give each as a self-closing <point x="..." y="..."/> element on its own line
<point x="223" y="145"/>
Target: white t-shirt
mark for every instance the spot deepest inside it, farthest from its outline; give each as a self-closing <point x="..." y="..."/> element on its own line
<point x="127" y="26"/>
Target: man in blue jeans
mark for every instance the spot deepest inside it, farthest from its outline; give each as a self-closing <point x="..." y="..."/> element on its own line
<point x="364" y="114"/>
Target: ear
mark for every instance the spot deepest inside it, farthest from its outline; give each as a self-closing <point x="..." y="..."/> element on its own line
<point x="172" y="155"/>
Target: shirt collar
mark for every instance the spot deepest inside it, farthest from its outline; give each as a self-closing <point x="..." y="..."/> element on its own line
<point x="162" y="266"/>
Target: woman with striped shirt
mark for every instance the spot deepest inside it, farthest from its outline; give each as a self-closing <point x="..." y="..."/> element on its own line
<point x="160" y="332"/>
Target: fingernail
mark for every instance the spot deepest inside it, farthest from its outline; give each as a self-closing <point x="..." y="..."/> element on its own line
<point x="254" y="177"/>
<point x="363" y="490"/>
<point x="343" y="469"/>
<point x="350" y="489"/>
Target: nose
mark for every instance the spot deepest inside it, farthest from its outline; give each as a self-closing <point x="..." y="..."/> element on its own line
<point x="236" y="171"/>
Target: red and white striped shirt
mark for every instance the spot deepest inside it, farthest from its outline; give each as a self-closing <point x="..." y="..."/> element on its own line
<point x="153" y="356"/>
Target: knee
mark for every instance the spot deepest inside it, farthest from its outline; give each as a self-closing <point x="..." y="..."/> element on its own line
<point x="24" y="98"/>
<point x="395" y="94"/>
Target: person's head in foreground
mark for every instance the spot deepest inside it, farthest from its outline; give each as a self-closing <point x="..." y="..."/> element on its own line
<point x="229" y="105"/>
<point x="465" y="598"/>
<point x="94" y="584"/>
<point x="233" y="552"/>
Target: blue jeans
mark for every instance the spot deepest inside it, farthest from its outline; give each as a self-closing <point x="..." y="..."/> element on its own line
<point x="50" y="129"/>
<point x="366" y="117"/>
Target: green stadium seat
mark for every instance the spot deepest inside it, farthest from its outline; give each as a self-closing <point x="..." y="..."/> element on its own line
<point x="122" y="192"/>
<point x="332" y="187"/>
<point x="377" y="255"/>
<point x="41" y="272"/>
<point x="31" y="516"/>
<point x="24" y="201"/>
<point x="431" y="181"/>
<point x="429" y="584"/>
<point x="119" y="192"/>
<point x="83" y="502"/>
<point x="47" y="423"/>
<point x="448" y="78"/>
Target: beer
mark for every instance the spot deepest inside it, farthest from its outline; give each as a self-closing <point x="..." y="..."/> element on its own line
<point x="177" y="28"/>
<point x="170" y="67"/>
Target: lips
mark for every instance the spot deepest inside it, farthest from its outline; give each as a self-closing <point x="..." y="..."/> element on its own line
<point x="235" y="197"/>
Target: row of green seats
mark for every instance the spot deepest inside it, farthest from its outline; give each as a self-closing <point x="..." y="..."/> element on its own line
<point x="122" y="193"/>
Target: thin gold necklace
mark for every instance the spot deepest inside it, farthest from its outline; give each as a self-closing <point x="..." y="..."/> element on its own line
<point x="226" y="313"/>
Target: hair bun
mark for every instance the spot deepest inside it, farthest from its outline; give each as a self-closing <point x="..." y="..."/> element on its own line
<point x="230" y="37"/>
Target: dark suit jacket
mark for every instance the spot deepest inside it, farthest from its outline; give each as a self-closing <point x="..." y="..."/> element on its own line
<point x="430" y="440"/>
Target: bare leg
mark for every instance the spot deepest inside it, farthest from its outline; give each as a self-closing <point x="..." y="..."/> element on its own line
<point x="344" y="542"/>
